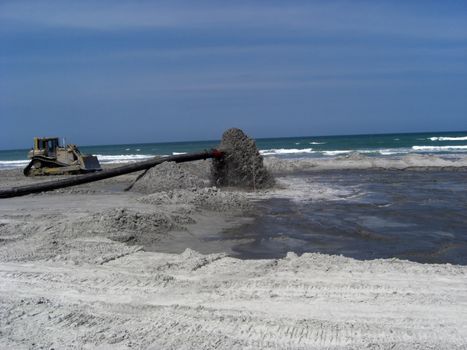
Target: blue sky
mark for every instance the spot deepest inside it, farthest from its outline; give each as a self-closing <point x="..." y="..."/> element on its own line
<point x="100" y="72"/>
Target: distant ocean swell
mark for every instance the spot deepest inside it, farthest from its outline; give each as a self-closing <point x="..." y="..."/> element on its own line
<point x="462" y="138"/>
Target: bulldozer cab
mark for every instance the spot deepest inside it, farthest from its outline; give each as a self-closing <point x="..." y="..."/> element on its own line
<point x="46" y="146"/>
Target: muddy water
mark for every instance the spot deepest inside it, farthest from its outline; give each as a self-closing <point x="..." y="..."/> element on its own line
<point x="414" y="215"/>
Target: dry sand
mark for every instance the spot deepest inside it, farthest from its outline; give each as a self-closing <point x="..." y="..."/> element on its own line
<point x="76" y="273"/>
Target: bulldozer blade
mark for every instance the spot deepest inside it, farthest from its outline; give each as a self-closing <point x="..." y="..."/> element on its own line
<point x="90" y="163"/>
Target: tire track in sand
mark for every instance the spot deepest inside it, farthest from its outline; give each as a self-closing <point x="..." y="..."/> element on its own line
<point x="154" y="300"/>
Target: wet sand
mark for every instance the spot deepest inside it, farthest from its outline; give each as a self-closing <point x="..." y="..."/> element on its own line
<point x="78" y="270"/>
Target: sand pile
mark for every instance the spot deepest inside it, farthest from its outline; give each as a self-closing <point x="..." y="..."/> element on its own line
<point x="124" y="219"/>
<point x="242" y="165"/>
<point x="357" y="160"/>
<point x="129" y="226"/>
<point x="279" y="166"/>
<point x="170" y="176"/>
<point x="15" y="229"/>
<point x="210" y="198"/>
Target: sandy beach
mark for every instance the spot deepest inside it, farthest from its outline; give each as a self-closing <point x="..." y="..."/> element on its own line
<point x="233" y="175"/>
<point x="97" y="267"/>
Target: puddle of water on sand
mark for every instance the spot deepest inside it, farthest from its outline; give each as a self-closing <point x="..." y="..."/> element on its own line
<point x="414" y="215"/>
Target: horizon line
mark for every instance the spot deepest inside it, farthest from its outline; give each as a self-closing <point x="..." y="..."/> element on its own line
<point x="255" y="138"/>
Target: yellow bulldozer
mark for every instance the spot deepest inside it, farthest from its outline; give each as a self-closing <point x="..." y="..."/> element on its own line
<point x="48" y="157"/>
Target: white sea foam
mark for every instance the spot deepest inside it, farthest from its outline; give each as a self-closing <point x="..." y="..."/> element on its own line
<point x="336" y="153"/>
<point x="316" y="143"/>
<point x="103" y="159"/>
<point x="122" y="158"/>
<point x="380" y="151"/>
<point x="300" y="189"/>
<point x="269" y="152"/>
<point x="11" y="164"/>
<point x="443" y="138"/>
<point x="390" y="152"/>
<point x="393" y="151"/>
<point x="178" y="153"/>
<point x="440" y="148"/>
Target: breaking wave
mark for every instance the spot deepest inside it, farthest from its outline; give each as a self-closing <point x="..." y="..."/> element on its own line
<point x="103" y="159"/>
<point x="381" y="151"/>
<point x="462" y="148"/>
<point x="279" y="151"/>
<point x="333" y="153"/>
<point x="372" y="152"/>
<point x="122" y="158"/>
<point x="11" y="164"/>
<point x="445" y="138"/>
<point x="336" y="153"/>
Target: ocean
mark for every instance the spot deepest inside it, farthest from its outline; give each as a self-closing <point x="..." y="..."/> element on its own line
<point x="445" y="144"/>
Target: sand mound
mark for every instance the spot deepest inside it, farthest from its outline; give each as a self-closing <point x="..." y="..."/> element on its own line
<point x="125" y="219"/>
<point x="285" y="166"/>
<point x="356" y="160"/>
<point x="242" y="165"/>
<point x="125" y="225"/>
<point x="170" y="176"/>
<point x="17" y="228"/>
<point x="210" y="198"/>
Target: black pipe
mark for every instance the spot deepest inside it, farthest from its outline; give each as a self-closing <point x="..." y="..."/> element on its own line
<point x="105" y="174"/>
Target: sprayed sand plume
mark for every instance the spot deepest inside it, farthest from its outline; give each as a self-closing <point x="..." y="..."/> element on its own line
<point x="242" y="165"/>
